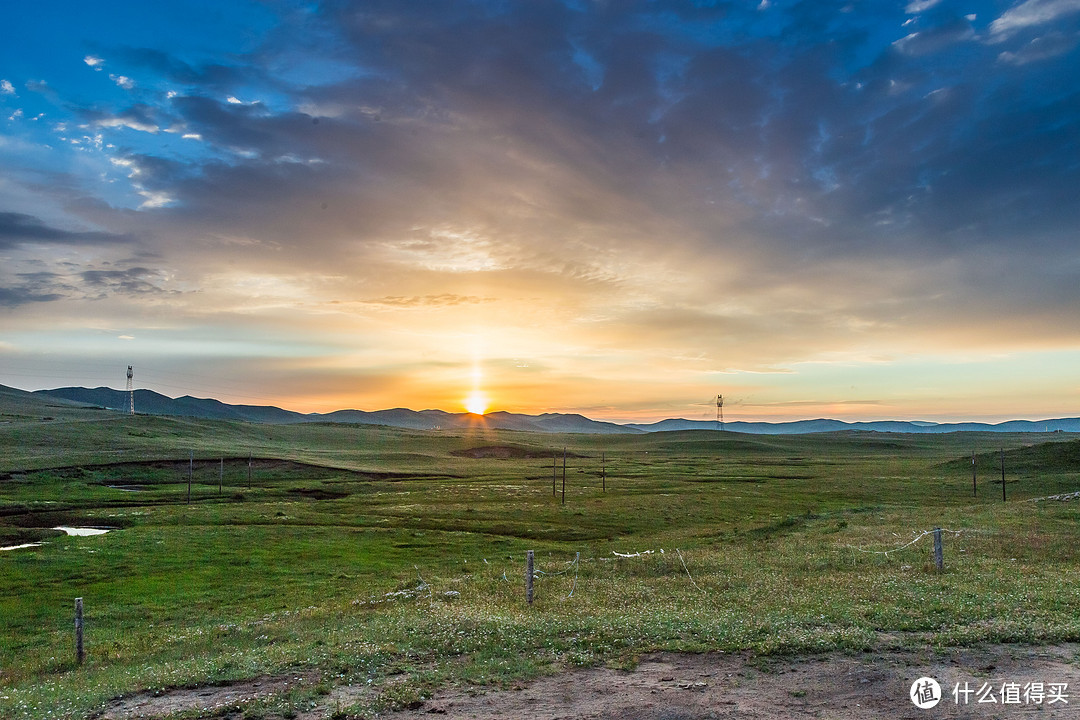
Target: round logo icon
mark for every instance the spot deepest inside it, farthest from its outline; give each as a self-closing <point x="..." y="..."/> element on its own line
<point x="925" y="693"/>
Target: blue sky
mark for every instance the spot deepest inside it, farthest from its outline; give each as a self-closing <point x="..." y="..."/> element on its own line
<point x="853" y="209"/>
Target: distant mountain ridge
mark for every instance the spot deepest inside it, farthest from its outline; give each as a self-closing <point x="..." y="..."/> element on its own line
<point x="153" y="403"/>
<point x="896" y="426"/>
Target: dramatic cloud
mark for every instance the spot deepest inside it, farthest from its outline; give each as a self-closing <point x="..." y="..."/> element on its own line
<point x="577" y="198"/>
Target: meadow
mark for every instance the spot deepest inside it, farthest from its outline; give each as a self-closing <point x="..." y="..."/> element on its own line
<point x="393" y="561"/>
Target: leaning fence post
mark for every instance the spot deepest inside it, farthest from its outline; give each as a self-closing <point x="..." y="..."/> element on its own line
<point x="939" y="556"/>
<point x="79" y="654"/>
<point x="529" y="576"/>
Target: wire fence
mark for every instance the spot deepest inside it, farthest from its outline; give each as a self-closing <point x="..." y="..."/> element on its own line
<point x="575" y="565"/>
<point x="906" y="545"/>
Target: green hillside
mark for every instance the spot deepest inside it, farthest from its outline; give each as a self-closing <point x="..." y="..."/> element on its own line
<point x="394" y="559"/>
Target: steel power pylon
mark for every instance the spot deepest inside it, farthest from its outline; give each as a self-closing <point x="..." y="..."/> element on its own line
<point x="130" y="392"/>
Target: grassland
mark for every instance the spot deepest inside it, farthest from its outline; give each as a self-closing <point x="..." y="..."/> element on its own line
<point x="392" y="560"/>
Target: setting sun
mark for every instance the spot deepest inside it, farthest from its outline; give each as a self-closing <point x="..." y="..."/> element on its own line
<point x="476" y="403"/>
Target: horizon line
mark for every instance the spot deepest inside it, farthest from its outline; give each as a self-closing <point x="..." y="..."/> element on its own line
<point x="924" y="423"/>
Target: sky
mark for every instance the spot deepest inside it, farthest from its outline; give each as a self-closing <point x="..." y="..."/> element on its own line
<point x="857" y="210"/>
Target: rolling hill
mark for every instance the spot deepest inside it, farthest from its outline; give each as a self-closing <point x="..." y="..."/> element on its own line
<point x="153" y="403"/>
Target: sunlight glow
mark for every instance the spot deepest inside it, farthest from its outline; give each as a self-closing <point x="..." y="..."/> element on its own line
<point x="477" y="402"/>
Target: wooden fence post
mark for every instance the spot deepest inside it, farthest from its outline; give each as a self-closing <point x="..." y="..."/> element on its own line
<point x="939" y="555"/>
<point x="974" y="484"/>
<point x="554" y="472"/>
<point x="80" y="655"/>
<point x="249" y="469"/>
<point x="1003" y="475"/>
<point x="529" y="576"/>
<point x="564" y="475"/>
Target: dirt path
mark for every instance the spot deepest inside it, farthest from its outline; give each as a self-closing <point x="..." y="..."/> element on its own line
<point x="672" y="686"/>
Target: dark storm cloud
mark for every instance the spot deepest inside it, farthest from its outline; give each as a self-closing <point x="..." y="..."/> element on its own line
<point x="19" y="229"/>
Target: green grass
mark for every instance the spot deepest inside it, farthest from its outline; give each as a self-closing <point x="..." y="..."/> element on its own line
<point x="387" y="557"/>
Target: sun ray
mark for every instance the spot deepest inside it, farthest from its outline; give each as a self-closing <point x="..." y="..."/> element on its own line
<point x="477" y="401"/>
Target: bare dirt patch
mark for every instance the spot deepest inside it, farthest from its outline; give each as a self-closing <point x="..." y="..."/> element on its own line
<point x="678" y="686"/>
<point x="210" y="700"/>
<point x="670" y="686"/>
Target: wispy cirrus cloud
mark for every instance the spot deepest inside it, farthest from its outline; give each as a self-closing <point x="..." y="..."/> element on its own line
<point x="428" y="301"/>
<point x="129" y="281"/>
<point x="26" y="288"/>
<point x="1031" y="13"/>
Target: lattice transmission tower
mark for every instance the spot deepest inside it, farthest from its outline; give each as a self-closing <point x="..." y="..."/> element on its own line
<point x="130" y="392"/>
<point x="719" y="412"/>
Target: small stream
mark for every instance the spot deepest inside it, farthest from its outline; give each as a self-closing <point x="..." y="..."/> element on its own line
<point x="20" y="547"/>
<point x="83" y="531"/>
<point x="72" y="531"/>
